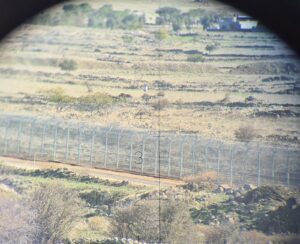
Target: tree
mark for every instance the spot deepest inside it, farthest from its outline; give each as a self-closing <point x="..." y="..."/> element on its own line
<point x="46" y="216"/>
<point x="245" y="133"/>
<point x="68" y="65"/>
<point x="16" y="221"/>
<point x="56" y="210"/>
<point x="169" y="15"/>
<point x="141" y="222"/>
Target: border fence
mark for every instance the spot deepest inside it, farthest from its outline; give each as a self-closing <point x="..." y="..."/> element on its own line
<point x="166" y="155"/>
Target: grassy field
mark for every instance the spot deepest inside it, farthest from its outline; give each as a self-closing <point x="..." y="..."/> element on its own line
<point x="207" y="96"/>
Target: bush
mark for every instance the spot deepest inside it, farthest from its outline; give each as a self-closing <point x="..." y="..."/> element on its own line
<point x="210" y="47"/>
<point x="97" y="99"/>
<point x="141" y="222"/>
<point x="197" y="57"/>
<point x="161" y="34"/>
<point x="160" y="104"/>
<point x="68" y="65"/>
<point x="231" y="234"/>
<point x="47" y="216"/>
<point x="245" y="133"/>
<point x="56" y="210"/>
<point x="57" y="95"/>
<point x="210" y="176"/>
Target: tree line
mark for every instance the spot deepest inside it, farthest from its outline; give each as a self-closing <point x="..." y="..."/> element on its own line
<point x="83" y="15"/>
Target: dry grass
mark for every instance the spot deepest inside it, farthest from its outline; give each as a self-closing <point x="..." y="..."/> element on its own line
<point x="210" y="177"/>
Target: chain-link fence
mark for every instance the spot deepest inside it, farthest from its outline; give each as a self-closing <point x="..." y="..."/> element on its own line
<point x="165" y="154"/>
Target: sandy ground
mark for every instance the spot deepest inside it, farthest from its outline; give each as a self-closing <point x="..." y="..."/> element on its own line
<point x="100" y="173"/>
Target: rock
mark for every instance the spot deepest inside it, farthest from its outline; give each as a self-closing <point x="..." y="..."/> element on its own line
<point x="237" y="194"/>
<point x="249" y="187"/>
<point x="291" y="202"/>
<point x="219" y="189"/>
<point x="192" y="187"/>
<point x="201" y="199"/>
<point x="250" y="99"/>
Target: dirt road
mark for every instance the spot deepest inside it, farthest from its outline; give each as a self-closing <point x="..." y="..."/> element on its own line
<point x="100" y="173"/>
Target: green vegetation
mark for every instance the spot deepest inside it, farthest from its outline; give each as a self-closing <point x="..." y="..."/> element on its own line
<point x="197" y="57"/>
<point x="68" y="65"/>
<point x="245" y="133"/>
<point x="90" y="102"/>
<point x="57" y="95"/>
<point x="161" y="34"/>
<point x="83" y="15"/>
<point x="175" y="220"/>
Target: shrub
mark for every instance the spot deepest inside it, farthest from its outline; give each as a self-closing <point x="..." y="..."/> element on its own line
<point x="68" y="65"/>
<point x="231" y="234"/>
<point x="160" y="94"/>
<point x="56" y="210"/>
<point x="16" y="224"/>
<point x="141" y="222"/>
<point x="210" y="47"/>
<point x="210" y="176"/>
<point x="97" y="99"/>
<point x="46" y="216"/>
<point x="146" y="97"/>
<point x="197" y="57"/>
<point x="245" y="133"/>
<point x="160" y="104"/>
<point x="57" y="95"/>
<point x="161" y="34"/>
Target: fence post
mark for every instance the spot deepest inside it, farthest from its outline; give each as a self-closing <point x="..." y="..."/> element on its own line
<point x="79" y="145"/>
<point x="131" y="152"/>
<point x="30" y="139"/>
<point x="92" y="147"/>
<point x="143" y="152"/>
<point x="206" y="161"/>
<point x="169" y="158"/>
<point x="258" y="168"/>
<point x="19" y="137"/>
<point x="67" y="143"/>
<point x="118" y="148"/>
<point x="106" y="142"/>
<point x="43" y="139"/>
<point x="194" y="156"/>
<point x="5" y="137"/>
<point x="181" y="157"/>
<point x="288" y="171"/>
<point x="156" y="156"/>
<point x="231" y="166"/>
<point x="218" y="165"/>
<point x="54" y="142"/>
<point x="273" y="167"/>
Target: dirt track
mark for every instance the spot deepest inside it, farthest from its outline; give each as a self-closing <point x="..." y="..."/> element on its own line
<point x="101" y="173"/>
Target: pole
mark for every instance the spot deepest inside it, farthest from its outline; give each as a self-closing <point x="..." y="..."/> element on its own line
<point x="231" y="166"/>
<point x="131" y="152"/>
<point x="31" y="136"/>
<point x="54" y="142"/>
<point x="106" y="144"/>
<point x="258" y="168"/>
<point x="67" y="143"/>
<point x="118" y="148"/>
<point x="79" y="145"/>
<point x="181" y="157"/>
<point x="169" y="158"/>
<point x="19" y="137"/>
<point x="218" y="165"/>
<point x="6" y="137"/>
<point x="156" y="157"/>
<point x="92" y="147"/>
